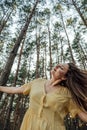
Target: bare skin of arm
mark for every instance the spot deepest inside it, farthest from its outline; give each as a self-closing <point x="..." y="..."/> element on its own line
<point x="83" y="116"/>
<point x="12" y="90"/>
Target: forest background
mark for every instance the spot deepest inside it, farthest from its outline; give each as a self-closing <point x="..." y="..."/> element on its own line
<point x="35" y="35"/>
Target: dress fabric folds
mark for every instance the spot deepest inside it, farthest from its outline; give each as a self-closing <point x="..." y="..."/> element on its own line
<point x="47" y="110"/>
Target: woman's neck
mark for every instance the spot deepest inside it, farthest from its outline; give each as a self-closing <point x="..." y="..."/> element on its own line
<point x="54" y="82"/>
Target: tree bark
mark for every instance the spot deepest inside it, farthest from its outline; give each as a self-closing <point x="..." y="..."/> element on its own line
<point x="45" y="60"/>
<point x="38" y="54"/>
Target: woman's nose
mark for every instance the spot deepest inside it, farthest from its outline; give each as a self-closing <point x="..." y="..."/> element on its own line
<point x="57" y="67"/>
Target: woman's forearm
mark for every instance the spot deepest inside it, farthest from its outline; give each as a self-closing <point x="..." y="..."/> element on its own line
<point x="11" y="90"/>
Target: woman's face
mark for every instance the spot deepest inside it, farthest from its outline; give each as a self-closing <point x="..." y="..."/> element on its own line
<point x="59" y="71"/>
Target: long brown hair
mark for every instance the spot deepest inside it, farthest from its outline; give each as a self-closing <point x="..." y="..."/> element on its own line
<point x="77" y="84"/>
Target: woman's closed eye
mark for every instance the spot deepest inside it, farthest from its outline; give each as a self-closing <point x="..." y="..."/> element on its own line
<point x="60" y="67"/>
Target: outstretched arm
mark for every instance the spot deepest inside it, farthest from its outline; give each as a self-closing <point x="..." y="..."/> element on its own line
<point x="12" y="90"/>
<point x="83" y="116"/>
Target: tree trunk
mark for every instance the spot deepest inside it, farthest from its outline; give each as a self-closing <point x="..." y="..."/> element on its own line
<point x="5" y="21"/>
<point x="7" y="120"/>
<point x="20" y="54"/>
<point x="79" y="12"/>
<point x="83" y="58"/>
<point x="38" y="54"/>
<point x="50" y="52"/>
<point x="4" y="16"/>
<point x="67" y="39"/>
<point x="45" y="60"/>
<point x="5" y="74"/>
<point x="28" y="70"/>
<point x="17" y="114"/>
<point x="61" y="52"/>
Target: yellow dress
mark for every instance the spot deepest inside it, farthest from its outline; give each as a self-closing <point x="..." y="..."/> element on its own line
<point x="47" y="110"/>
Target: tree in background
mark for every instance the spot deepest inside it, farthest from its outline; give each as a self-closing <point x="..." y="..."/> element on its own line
<point x="55" y="32"/>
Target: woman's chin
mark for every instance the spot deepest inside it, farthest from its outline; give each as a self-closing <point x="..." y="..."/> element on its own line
<point x="52" y="72"/>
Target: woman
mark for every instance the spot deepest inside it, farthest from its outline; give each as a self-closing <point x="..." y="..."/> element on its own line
<point x="51" y="100"/>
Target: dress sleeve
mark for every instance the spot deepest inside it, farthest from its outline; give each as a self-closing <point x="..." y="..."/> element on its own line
<point x="27" y="88"/>
<point x="73" y="108"/>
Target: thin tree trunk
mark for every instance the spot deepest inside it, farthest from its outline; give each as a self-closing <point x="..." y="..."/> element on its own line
<point x="45" y="61"/>
<point x="5" y="74"/>
<point x="42" y="72"/>
<point x="50" y="52"/>
<point x="73" y="60"/>
<point x="16" y="113"/>
<point x="61" y="52"/>
<point x="82" y="55"/>
<point x="3" y="112"/>
<point x="20" y="54"/>
<point x="3" y="106"/>
<point x="28" y="71"/>
<point x="38" y="54"/>
<point x="4" y="16"/>
<point x="57" y="57"/>
<point x="7" y="120"/>
<point x="79" y="12"/>
<point x="5" y="21"/>
<point x="81" y="50"/>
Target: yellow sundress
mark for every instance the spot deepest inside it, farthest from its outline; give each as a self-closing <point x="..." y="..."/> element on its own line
<point x="47" y="110"/>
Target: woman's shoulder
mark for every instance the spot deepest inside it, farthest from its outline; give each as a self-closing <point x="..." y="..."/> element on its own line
<point x="64" y="91"/>
<point x="38" y="80"/>
<point x="33" y="82"/>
